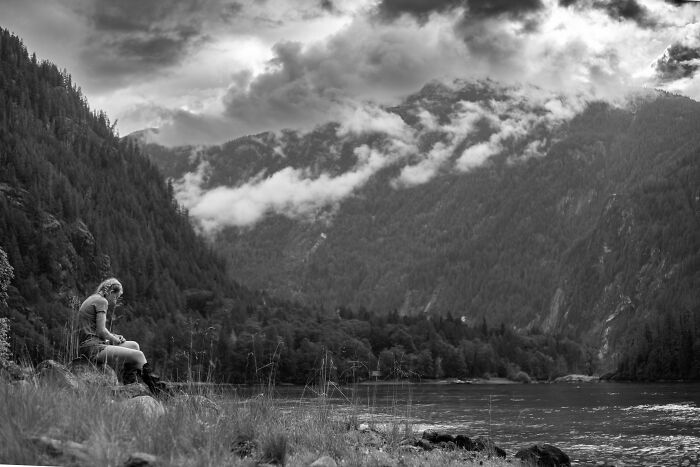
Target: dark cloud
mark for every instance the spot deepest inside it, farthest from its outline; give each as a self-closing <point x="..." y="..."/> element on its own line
<point x="620" y="10"/>
<point x="133" y="38"/>
<point x="681" y="2"/>
<point x="679" y="61"/>
<point x="290" y="93"/>
<point x="512" y="8"/>
<point x="420" y="9"/>
<point x="627" y="10"/>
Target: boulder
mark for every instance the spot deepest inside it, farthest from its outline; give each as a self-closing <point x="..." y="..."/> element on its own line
<point x="63" y="449"/>
<point x="10" y="371"/>
<point x="577" y="379"/>
<point x="464" y="442"/>
<point x="432" y="439"/>
<point x="543" y="455"/>
<point x="55" y="374"/>
<point x="145" y="405"/>
<point x="436" y="437"/>
<point x="486" y="444"/>
<point x="141" y="459"/>
<point x="325" y="461"/>
<point x="243" y="446"/>
<point x="93" y="374"/>
<point x="129" y="391"/>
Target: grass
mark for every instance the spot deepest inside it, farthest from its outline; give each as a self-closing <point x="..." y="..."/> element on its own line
<point x="242" y="432"/>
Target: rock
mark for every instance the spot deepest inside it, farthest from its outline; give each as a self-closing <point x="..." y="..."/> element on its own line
<point x="432" y="439"/>
<point x="409" y="449"/>
<point x="486" y="444"/>
<point x="243" y="447"/>
<point x="325" y="461"/>
<point x="141" y="459"/>
<point x="436" y="437"/>
<point x="447" y="445"/>
<point x="577" y="379"/>
<point x="67" y="449"/>
<point x="425" y="444"/>
<point x="56" y="374"/>
<point x="132" y="390"/>
<point x="145" y="405"/>
<point x="544" y="455"/>
<point x="10" y="371"/>
<point x="93" y="374"/>
<point x="82" y="239"/>
<point x="464" y="442"/>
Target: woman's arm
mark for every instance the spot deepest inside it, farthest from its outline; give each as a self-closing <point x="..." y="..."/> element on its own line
<point x="103" y="333"/>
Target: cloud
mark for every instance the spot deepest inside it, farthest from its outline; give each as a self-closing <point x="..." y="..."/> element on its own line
<point x="421" y="10"/>
<point x="132" y="39"/>
<point x="217" y="69"/>
<point x="461" y="125"/>
<point x="305" y="85"/>
<point x="619" y="10"/>
<point x="291" y="192"/>
<point x="298" y="192"/>
<point x="678" y="61"/>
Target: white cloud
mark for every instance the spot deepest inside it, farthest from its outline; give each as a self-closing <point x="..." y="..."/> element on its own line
<point x="291" y="192"/>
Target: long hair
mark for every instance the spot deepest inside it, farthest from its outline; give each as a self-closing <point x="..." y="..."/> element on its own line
<point x="108" y="286"/>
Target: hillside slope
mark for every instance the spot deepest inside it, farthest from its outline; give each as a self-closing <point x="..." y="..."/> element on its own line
<point x="78" y="205"/>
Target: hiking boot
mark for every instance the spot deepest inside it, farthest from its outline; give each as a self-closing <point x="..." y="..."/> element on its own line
<point x="152" y="380"/>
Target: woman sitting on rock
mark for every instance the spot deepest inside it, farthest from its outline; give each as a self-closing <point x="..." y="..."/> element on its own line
<point x="99" y="345"/>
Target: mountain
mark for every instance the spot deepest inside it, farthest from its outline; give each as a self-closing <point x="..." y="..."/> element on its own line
<point x="584" y="226"/>
<point x="79" y="204"/>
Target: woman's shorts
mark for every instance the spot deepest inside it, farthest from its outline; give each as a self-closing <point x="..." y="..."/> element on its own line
<point x="91" y="347"/>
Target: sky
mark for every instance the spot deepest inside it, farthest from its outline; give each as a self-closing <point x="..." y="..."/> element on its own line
<point x="207" y="71"/>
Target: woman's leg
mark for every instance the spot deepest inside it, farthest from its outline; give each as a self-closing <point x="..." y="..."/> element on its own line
<point x="117" y="356"/>
<point x="130" y="345"/>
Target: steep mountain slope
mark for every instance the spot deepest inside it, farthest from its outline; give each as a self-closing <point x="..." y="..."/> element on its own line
<point x="565" y="237"/>
<point x="76" y="206"/>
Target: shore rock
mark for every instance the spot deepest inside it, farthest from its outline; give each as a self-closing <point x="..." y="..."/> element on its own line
<point x="63" y="449"/>
<point x="432" y="439"/>
<point x="129" y="391"/>
<point x="485" y="444"/>
<point x="93" y="374"/>
<point x="54" y="373"/>
<point x="141" y="459"/>
<point x="145" y="405"/>
<point x="577" y="379"/>
<point x="544" y="455"/>
<point x="325" y="461"/>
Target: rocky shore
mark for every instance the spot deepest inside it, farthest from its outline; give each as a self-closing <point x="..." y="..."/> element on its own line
<point x="87" y="385"/>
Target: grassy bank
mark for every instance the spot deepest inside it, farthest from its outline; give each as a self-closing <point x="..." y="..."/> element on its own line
<point x="194" y="432"/>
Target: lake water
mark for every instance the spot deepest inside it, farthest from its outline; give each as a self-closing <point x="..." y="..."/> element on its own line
<point x="619" y="423"/>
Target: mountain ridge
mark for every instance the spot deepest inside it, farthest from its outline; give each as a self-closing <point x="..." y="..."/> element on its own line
<point x="478" y="244"/>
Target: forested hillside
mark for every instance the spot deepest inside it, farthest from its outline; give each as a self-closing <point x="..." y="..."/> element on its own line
<point x="595" y="237"/>
<point x="79" y="204"/>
